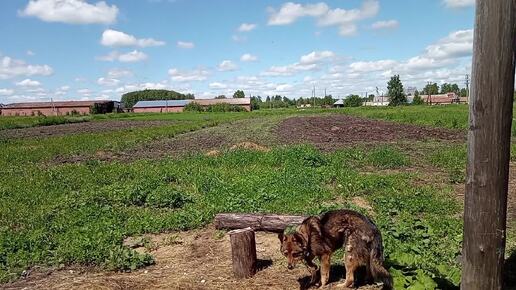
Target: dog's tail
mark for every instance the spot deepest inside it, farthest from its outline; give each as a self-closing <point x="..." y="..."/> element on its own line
<point x="378" y="272"/>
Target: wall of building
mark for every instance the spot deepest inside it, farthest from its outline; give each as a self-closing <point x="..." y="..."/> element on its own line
<point x="45" y="111"/>
<point x="158" y="110"/>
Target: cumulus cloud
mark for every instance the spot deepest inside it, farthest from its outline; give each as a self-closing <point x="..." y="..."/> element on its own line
<point x="10" y="68"/>
<point x="227" y="65"/>
<point x="185" y="44"/>
<point x="248" y="57"/>
<point x="119" y="73"/>
<point x="133" y="56"/>
<point x="71" y="11"/>
<point x="28" y="83"/>
<point x="217" y="85"/>
<point x="108" y="81"/>
<point x="385" y="24"/>
<point x="308" y="62"/>
<point x="112" y="37"/>
<point x="344" y="19"/>
<point x="30" y="53"/>
<point x="246" y="27"/>
<point x="459" y="3"/>
<point x="6" y="92"/>
<point x="188" y="75"/>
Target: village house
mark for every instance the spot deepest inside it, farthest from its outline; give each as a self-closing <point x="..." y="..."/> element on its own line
<point x="441" y="99"/>
<point x="57" y="108"/>
<point x="166" y="106"/>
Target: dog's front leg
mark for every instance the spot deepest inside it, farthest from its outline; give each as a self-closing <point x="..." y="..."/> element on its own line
<point x="325" y="269"/>
<point x="312" y="268"/>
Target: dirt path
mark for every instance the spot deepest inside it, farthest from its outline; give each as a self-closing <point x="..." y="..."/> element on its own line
<point x="75" y="128"/>
<point x="331" y="132"/>
<point x="196" y="259"/>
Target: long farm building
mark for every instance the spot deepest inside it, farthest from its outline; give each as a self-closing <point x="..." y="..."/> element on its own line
<point x="165" y="106"/>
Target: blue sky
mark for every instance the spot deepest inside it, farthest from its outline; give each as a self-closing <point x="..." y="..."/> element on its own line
<point x="89" y="49"/>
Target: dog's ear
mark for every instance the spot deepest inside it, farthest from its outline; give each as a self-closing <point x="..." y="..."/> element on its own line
<point x="281" y="236"/>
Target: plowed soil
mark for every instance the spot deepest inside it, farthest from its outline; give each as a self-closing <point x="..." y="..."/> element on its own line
<point x="331" y="132"/>
<point x="76" y="128"/>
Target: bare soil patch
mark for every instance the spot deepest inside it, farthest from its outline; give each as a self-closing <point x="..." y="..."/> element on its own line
<point x="332" y="132"/>
<point x="76" y="128"/>
<point x="198" y="259"/>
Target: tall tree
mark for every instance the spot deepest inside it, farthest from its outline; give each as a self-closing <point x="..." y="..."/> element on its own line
<point x="431" y="89"/>
<point x="395" y="91"/>
<point x="417" y="99"/>
<point x="239" y="94"/>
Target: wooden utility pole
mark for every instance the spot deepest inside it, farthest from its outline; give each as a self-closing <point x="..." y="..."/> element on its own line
<point x="490" y="115"/>
<point x="243" y="252"/>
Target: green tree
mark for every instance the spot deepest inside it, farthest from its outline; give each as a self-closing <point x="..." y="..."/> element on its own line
<point x="131" y="98"/>
<point x="353" y="101"/>
<point x="431" y="89"/>
<point x="463" y="92"/>
<point x="239" y="94"/>
<point x="449" y="88"/>
<point x="220" y="97"/>
<point x="395" y="91"/>
<point x="417" y="99"/>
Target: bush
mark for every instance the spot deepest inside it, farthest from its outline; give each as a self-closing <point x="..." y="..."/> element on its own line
<point x="353" y="101"/>
<point x="222" y="107"/>
<point x="417" y="100"/>
<point x="167" y="197"/>
<point x="193" y="107"/>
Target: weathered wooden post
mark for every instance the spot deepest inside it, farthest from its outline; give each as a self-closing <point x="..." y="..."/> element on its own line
<point x="243" y="252"/>
<point x="489" y="136"/>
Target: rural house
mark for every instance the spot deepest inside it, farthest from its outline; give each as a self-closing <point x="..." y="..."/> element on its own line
<point x="57" y="108"/>
<point x="166" y="106"/>
<point x="441" y="99"/>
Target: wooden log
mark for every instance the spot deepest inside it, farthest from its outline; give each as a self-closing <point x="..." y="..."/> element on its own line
<point x="258" y="222"/>
<point x="243" y="252"/>
<point x="489" y="140"/>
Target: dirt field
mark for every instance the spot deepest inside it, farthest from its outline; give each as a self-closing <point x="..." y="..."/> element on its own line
<point x="74" y="128"/>
<point x="335" y="131"/>
<point x="198" y="259"/>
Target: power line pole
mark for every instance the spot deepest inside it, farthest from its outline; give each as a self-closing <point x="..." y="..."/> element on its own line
<point x="314" y="95"/>
<point x="489" y="143"/>
<point x="429" y="98"/>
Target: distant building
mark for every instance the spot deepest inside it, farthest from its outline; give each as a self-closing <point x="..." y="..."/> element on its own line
<point x="339" y="103"/>
<point x="410" y="91"/>
<point x="57" y="108"/>
<point x="378" y="101"/>
<point x="168" y="106"/>
<point x="441" y="99"/>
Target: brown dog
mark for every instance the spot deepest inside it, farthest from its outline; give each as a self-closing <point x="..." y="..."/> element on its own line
<point x="321" y="236"/>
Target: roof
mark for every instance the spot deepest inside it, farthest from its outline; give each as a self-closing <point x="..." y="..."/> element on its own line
<point x="339" y="102"/>
<point x="161" y="103"/>
<point x="53" y="104"/>
<point x="182" y="103"/>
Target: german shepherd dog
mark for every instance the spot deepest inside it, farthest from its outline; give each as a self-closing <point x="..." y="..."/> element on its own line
<point x="323" y="235"/>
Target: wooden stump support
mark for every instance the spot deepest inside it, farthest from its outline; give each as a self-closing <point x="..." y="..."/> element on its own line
<point x="243" y="252"/>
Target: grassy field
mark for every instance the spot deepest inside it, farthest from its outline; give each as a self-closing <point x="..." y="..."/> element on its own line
<point x="79" y="213"/>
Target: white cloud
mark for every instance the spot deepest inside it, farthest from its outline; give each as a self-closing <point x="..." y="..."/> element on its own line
<point x="308" y="62"/>
<point x="186" y="76"/>
<point x="30" y="53"/>
<point x="369" y="66"/>
<point x="28" y="83"/>
<point x="386" y="24"/>
<point x="246" y="27"/>
<point x="10" y="68"/>
<point x="185" y="44"/>
<point x="85" y="92"/>
<point x="239" y="38"/>
<point x="119" y="73"/>
<point x="71" y="11"/>
<point x="342" y="18"/>
<point x="227" y="65"/>
<point x="248" y="57"/>
<point x="217" y="85"/>
<point x="140" y="86"/>
<point x="133" y="56"/>
<point x="316" y="56"/>
<point x="112" y="37"/>
<point x="108" y="81"/>
<point x="459" y="3"/>
<point x="6" y="92"/>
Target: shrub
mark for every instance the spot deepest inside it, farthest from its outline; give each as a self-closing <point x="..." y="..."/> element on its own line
<point x="193" y="107"/>
<point x="167" y="196"/>
<point x="353" y="101"/>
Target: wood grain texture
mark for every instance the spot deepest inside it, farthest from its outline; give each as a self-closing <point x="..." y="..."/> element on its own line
<point x="489" y="136"/>
<point x="258" y="222"/>
<point x="243" y="252"/>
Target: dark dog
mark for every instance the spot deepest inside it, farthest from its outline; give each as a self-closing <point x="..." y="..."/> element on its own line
<point x="321" y="236"/>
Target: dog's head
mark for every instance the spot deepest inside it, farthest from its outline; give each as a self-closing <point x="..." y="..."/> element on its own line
<point x="294" y="247"/>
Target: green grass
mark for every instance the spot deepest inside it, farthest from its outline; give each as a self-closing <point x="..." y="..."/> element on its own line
<point x="25" y="122"/>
